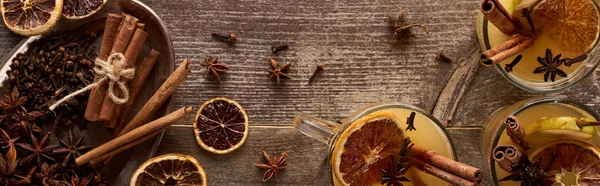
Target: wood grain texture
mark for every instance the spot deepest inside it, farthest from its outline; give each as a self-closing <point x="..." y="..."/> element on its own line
<point x="352" y="38"/>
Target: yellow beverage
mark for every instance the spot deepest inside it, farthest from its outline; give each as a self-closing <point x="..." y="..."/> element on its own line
<point x="527" y="117"/>
<point x="528" y="64"/>
<point x="428" y="135"/>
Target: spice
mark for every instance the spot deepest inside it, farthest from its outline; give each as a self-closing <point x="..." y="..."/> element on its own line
<point x="214" y="67"/>
<point x="447" y="167"/>
<point x="75" y="180"/>
<point x="231" y="38"/>
<point x="72" y="149"/>
<point x="320" y="68"/>
<point x="496" y="14"/>
<point x="441" y="57"/>
<point x="48" y="174"/>
<point x="399" y="28"/>
<point x="394" y="174"/>
<point x="550" y="66"/>
<point x="38" y="149"/>
<point x="531" y="173"/>
<point x="509" y="67"/>
<point x="515" y="131"/>
<point x="9" y="143"/>
<point x="506" y="156"/>
<point x="132" y="136"/>
<point x="7" y="169"/>
<point x="410" y="121"/>
<point x="135" y="87"/>
<point x="278" y="48"/>
<point x="577" y="59"/>
<point x="26" y="179"/>
<point x="515" y="45"/>
<point x="272" y="166"/>
<point x="278" y="71"/>
<point x="527" y="14"/>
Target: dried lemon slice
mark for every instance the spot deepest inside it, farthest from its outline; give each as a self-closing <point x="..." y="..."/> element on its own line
<point x="30" y="17"/>
<point x="572" y="157"/>
<point x="221" y="125"/>
<point x="365" y="149"/>
<point x="79" y="9"/>
<point x="572" y="24"/>
<point x="169" y="169"/>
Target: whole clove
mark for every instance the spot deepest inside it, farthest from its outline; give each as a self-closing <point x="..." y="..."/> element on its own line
<point x="231" y="38"/>
<point x="278" y="48"/>
<point x="319" y="69"/>
<point x="441" y="57"/>
<point x="509" y="67"/>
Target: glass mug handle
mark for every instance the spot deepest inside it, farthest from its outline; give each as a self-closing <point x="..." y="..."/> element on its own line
<point x="316" y="128"/>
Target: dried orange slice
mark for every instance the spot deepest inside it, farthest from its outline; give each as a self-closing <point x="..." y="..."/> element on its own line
<point x="572" y="24"/>
<point x="30" y="17"/>
<point x="365" y="148"/>
<point x="79" y="9"/>
<point x="221" y="125"/>
<point x="573" y="158"/>
<point x="169" y="169"/>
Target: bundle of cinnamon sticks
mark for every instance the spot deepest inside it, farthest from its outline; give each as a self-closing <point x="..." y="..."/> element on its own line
<point x="123" y="34"/>
<point x="444" y="168"/>
<point x="521" y="40"/>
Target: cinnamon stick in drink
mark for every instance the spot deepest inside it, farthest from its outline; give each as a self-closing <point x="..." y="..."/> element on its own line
<point x="156" y="101"/>
<point x="131" y="54"/>
<point x="513" y="154"/>
<point x="92" y="111"/>
<point x="439" y="173"/>
<point x="496" y="14"/>
<point x="501" y="52"/>
<point x="515" y="131"/>
<point x="137" y="133"/>
<point x="142" y="72"/>
<point x="501" y="158"/>
<point x="448" y="165"/>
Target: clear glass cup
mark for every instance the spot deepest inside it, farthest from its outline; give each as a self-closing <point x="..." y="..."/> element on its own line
<point x="527" y="111"/>
<point x="586" y="68"/>
<point x="430" y="132"/>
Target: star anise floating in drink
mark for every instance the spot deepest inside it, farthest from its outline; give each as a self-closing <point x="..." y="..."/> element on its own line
<point x="530" y="173"/>
<point x="394" y="174"/>
<point x="550" y="66"/>
<point x="214" y="67"/>
<point x="273" y="165"/>
<point x="399" y="27"/>
<point x="278" y="71"/>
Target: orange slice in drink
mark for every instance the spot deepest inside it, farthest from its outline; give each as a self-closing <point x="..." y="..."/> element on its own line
<point x="572" y="24"/>
<point x="365" y="148"/>
<point x="169" y="169"/>
<point x="572" y="158"/>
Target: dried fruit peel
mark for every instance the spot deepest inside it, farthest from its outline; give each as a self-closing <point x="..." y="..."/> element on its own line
<point x="183" y="169"/>
<point x="18" y="18"/>
<point x="221" y="125"/>
<point x="572" y="156"/>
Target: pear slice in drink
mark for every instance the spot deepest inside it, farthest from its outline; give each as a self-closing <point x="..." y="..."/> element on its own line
<point x="581" y="129"/>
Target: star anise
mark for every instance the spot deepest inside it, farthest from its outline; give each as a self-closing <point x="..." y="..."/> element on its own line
<point x="99" y="178"/>
<point x="278" y="71"/>
<point x="25" y="121"/>
<point x="74" y="180"/>
<point x="214" y="67"/>
<point x="550" y="66"/>
<point x="9" y="143"/>
<point x="12" y="100"/>
<point x="72" y="149"/>
<point x="531" y="174"/>
<point x="394" y="174"/>
<point x="38" y="149"/>
<point x="24" y="180"/>
<point x="399" y="28"/>
<point x="272" y="167"/>
<point x="7" y="169"/>
<point x="48" y="174"/>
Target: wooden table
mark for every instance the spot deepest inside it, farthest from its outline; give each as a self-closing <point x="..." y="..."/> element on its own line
<point x="352" y="38"/>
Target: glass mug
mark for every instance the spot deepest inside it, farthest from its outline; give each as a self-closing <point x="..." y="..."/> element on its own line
<point x="527" y="112"/>
<point x="430" y="133"/>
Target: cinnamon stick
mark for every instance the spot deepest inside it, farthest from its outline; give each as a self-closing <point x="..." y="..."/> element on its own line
<point x="92" y="111"/>
<point x="511" y="47"/>
<point x="161" y="95"/>
<point x="137" y="133"/>
<point x="513" y="154"/>
<point x="437" y="172"/>
<point x="142" y="72"/>
<point x="112" y="153"/>
<point x="516" y="132"/>
<point x="447" y="164"/>
<point x="496" y="14"/>
<point x="501" y="158"/>
<point x="131" y="54"/>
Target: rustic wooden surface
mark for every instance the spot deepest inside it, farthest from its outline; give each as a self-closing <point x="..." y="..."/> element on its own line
<point x="352" y="38"/>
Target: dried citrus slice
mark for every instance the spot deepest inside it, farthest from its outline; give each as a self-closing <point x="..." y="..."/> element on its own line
<point x="31" y="17"/>
<point x="169" y="169"/>
<point x="365" y="148"/>
<point x="221" y="125"/>
<point x="572" y="158"/>
<point x="79" y="9"/>
<point x="572" y="24"/>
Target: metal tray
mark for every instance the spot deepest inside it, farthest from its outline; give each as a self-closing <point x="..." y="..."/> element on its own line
<point x="120" y="168"/>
